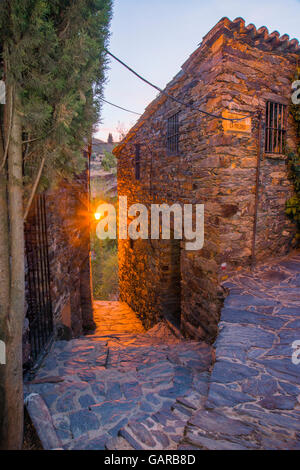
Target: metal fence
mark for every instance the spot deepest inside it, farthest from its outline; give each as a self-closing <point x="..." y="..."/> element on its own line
<point x="38" y="295"/>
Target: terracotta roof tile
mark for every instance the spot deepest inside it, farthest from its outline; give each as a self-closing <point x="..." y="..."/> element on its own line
<point x="236" y="28"/>
<point x="261" y="35"/>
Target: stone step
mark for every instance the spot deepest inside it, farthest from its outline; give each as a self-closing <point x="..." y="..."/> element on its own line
<point x="113" y="424"/>
<point x="163" y="429"/>
<point x="42" y="421"/>
<point x="118" y="443"/>
<point x="100" y="386"/>
<point x="243" y="429"/>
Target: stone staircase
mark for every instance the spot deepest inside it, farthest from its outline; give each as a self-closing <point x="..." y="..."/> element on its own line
<point x="254" y="388"/>
<point x="165" y="428"/>
<point x="124" y="389"/>
<point x="119" y="390"/>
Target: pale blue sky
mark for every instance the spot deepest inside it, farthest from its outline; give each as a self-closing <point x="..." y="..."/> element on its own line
<point x="155" y="37"/>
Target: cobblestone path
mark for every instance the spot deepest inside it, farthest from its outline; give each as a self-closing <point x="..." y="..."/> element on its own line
<point x="254" y="391"/>
<point x="120" y="388"/>
<point x="124" y="388"/>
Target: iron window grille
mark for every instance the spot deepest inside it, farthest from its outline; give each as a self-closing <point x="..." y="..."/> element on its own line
<point x="275" y="128"/>
<point x="173" y="134"/>
<point x="138" y="162"/>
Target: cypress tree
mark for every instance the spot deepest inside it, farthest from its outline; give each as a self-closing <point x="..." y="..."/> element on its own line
<point x="53" y="63"/>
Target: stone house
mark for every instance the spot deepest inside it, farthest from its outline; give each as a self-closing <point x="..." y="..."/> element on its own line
<point x="237" y="169"/>
<point x="58" y="274"/>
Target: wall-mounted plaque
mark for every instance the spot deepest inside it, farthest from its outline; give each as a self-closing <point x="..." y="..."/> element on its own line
<point x="243" y="125"/>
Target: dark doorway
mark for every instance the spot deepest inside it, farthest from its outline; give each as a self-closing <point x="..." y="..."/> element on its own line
<point x="170" y="272"/>
<point x="38" y="297"/>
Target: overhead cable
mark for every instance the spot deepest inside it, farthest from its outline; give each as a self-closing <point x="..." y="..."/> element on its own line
<point x="120" y="107"/>
<point x="188" y="105"/>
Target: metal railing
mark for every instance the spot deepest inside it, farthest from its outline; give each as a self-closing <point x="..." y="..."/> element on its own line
<point x="38" y="293"/>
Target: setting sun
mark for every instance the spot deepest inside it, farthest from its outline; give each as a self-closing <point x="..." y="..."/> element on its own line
<point x="97" y="215"/>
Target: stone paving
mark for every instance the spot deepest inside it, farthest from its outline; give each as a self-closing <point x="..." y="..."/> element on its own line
<point x="121" y="387"/>
<point x="124" y="388"/>
<point x="254" y="391"/>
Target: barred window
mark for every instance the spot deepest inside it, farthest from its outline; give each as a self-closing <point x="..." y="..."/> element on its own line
<point x="173" y="133"/>
<point x="275" y="127"/>
<point x="138" y="161"/>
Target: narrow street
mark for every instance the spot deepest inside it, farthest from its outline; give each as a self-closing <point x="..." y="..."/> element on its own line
<point x="124" y="388"/>
<point x="254" y="389"/>
<point x="121" y="387"/>
<point x="149" y="227"/>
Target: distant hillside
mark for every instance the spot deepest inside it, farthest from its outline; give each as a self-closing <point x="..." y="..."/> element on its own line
<point x="99" y="146"/>
<point x="102" y="181"/>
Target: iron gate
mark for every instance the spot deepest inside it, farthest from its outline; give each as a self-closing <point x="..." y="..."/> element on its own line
<point x="38" y="295"/>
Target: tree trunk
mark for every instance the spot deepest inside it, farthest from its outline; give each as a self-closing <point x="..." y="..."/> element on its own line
<point x="4" y="283"/>
<point x="14" y="373"/>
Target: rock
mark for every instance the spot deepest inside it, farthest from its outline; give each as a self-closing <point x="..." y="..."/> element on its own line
<point x="227" y="372"/>
<point x="245" y="317"/>
<point x="89" y="444"/>
<point x="82" y="422"/>
<point x="42" y="421"/>
<point x="234" y="301"/>
<point x="275" y="402"/>
<point x="281" y="368"/>
<point x="245" y="337"/>
<point x="214" y="422"/>
<point x="162" y="439"/>
<point x="220" y="396"/>
<point x="66" y="402"/>
<point x="86" y="401"/>
<point x="131" y="390"/>
<point x="113" y="391"/>
<point x="111" y="411"/>
<point x="141" y="433"/>
<point x="205" y="443"/>
<point x="130" y="440"/>
<point x="260" y="387"/>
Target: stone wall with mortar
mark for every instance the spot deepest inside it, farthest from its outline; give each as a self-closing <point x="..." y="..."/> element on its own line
<point x="68" y="221"/>
<point x="67" y="217"/>
<point x="236" y="69"/>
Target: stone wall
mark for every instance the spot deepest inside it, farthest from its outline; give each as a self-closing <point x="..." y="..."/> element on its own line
<point x="67" y="219"/>
<point x="68" y="222"/>
<point x="235" y="69"/>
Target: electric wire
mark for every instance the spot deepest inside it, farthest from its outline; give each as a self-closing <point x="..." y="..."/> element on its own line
<point x="170" y="96"/>
<point x="120" y="107"/>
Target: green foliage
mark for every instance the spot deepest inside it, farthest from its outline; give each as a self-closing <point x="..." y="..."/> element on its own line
<point x="109" y="162"/>
<point x="104" y="260"/>
<point x="105" y="269"/>
<point x="54" y="51"/>
<point x="293" y="204"/>
<point x="106" y="284"/>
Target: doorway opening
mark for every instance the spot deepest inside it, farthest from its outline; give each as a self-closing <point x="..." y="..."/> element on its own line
<point x="103" y="189"/>
<point x="170" y="274"/>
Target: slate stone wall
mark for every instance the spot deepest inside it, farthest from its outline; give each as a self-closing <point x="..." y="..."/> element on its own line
<point x="235" y="69"/>
<point x="68" y="219"/>
<point x="69" y="254"/>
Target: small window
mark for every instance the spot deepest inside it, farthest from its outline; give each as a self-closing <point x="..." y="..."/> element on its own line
<point x="138" y="162"/>
<point x="173" y="134"/>
<point x="275" y="128"/>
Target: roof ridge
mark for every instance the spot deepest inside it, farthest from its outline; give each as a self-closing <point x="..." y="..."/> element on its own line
<point x="260" y="35"/>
